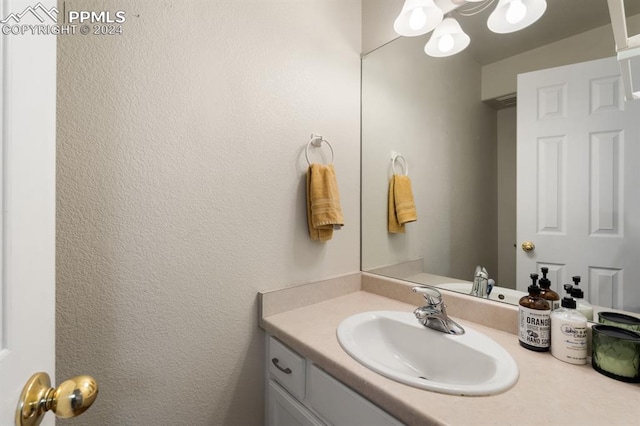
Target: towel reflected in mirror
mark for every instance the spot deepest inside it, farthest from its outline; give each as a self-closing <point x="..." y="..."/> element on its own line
<point x="402" y="208"/>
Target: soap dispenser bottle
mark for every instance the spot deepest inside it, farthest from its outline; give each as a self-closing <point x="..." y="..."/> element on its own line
<point x="545" y="290"/>
<point x="534" y="322"/>
<point x="569" y="331"/>
<point x="582" y="305"/>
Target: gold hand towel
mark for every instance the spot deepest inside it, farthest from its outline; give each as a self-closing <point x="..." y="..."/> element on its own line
<point x="324" y="213"/>
<point x="402" y="208"/>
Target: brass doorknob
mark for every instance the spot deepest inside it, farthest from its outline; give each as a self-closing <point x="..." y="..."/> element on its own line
<point x="528" y="246"/>
<point x="71" y="398"/>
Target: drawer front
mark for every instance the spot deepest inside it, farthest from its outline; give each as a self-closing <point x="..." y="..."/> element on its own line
<point x="341" y="406"/>
<point x="287" y="368"/>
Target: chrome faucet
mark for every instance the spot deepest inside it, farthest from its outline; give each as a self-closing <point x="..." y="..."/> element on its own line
<point x="482" y="285"/>
<point x="434" y="314"/>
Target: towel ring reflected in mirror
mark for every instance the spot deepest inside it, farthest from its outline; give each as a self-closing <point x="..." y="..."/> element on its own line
<point x="396" y="157"/>
<point x="316" y="141"/>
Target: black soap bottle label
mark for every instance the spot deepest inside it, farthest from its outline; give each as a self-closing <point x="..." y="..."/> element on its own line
<point x="535" y="328"/>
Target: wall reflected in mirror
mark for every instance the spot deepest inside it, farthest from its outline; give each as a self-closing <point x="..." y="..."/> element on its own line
<point x="454" y="121"/>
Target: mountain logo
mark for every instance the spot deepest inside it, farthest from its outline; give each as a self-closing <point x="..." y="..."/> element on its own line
<point x="38" y="11"/>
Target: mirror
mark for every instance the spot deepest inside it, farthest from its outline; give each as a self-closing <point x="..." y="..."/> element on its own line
<point x="454" y="121"/>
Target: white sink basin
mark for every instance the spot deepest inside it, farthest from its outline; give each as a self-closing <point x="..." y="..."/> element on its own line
<point x="397" y="346"/>
<point x="498" y="293"/>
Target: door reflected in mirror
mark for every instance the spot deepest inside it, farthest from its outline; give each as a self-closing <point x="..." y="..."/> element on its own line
<point x="457" y="131"/>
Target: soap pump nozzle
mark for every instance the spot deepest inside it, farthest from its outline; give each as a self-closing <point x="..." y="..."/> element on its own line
<point x="568" y="301"/>
<point x="583" y="306"/>
<point x="576" y="291"/>
<point x="533" y="288"/>
<point x="544" y="281"/>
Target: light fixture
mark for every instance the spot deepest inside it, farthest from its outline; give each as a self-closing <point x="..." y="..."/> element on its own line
<point x="513" y="15"/>
<point x="417" y="17"/>
<point x="447" y="39"/>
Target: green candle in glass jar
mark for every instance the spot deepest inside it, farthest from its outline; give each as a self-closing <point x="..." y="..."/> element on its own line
<point x="616" y="353"/>
<point x="619" y="320"/>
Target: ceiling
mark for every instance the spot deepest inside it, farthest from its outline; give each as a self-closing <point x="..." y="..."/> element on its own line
<point x="562" y="19"/>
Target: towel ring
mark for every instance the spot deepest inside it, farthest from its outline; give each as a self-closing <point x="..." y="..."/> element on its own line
<point x="316" y="141"/>
<point x="396" y="156"/>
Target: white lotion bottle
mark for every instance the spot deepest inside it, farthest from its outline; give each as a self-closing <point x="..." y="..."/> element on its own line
<point x="569" y="332"/>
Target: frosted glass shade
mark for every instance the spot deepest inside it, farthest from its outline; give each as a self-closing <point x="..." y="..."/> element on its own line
<point x="514" y="15"/>
<point x="417" y="17"/>
<point x="447" y="39"/>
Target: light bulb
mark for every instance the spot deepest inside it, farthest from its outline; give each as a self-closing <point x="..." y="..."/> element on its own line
<point x="516" y="12"/>
<point x="418" y="19"/>
<point x="445" y="43"/>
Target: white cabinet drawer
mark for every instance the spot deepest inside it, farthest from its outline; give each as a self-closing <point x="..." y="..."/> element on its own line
<point x="287" y="368"/>
<point x="341" y="406"/>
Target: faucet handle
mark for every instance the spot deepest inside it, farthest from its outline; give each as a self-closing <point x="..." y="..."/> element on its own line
<point x="478" y="271"/>
<point x="481" y="272"/>
<point x="430" y="294"/>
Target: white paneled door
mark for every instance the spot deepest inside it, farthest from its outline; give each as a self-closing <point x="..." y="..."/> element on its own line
<point x="579" y="181"/>
<point x="27" y="296"/>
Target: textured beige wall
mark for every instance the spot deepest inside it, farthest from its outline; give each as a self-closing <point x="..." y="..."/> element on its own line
<point x="429" y="109"/>
<point x="181" y="194"/>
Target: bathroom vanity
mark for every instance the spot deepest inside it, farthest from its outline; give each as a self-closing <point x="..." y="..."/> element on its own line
<point x="301" y="324"/>
<point x="301" y="393"/>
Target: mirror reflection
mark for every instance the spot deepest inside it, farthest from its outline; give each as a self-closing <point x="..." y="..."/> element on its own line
<point x="454" y="120"/>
